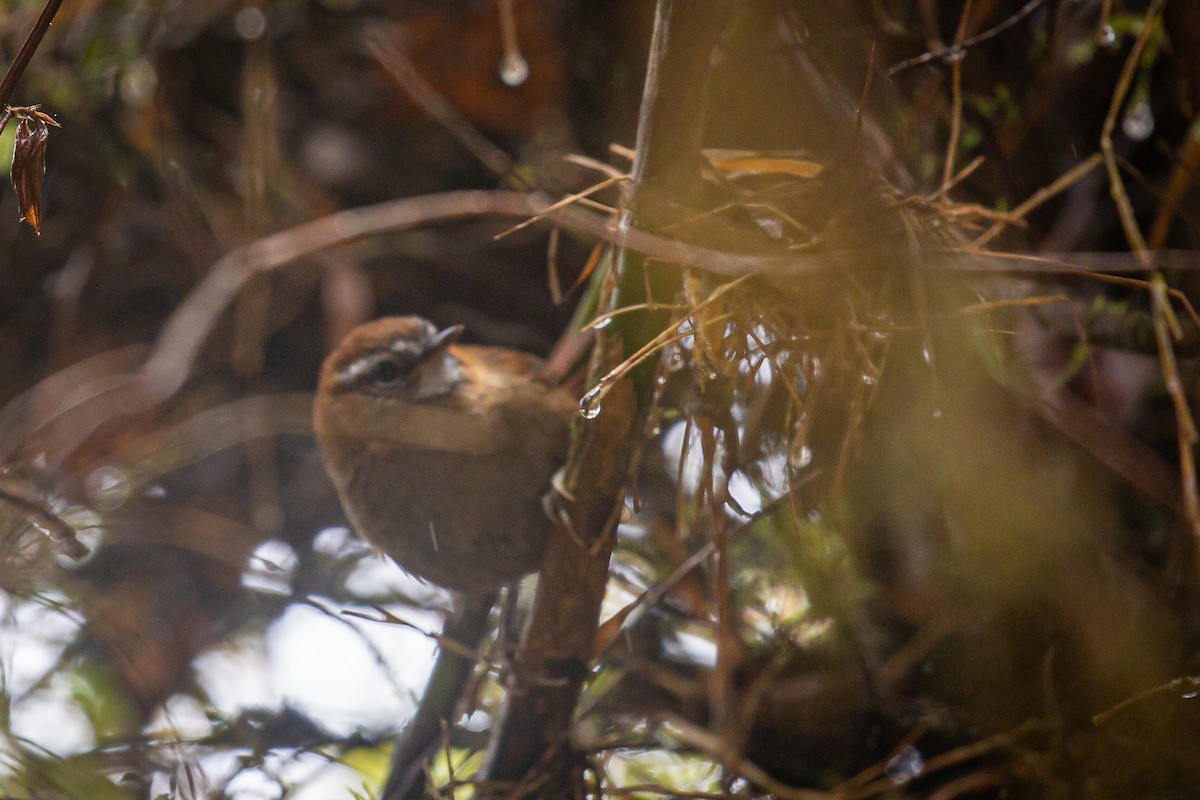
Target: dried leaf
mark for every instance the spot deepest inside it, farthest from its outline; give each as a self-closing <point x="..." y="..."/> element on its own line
<point x="29" y="161"/>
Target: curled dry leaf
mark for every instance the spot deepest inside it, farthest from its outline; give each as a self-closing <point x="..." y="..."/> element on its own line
<point x="29" y="159"/>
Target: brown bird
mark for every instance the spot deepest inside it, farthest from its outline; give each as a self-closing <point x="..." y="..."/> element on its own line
<point x="441" y="454"/>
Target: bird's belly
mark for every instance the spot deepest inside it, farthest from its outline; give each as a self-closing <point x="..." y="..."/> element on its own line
<point x="468" y="524"/>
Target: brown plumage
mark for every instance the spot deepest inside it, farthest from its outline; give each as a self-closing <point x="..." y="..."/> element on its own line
<point x="441" y="453"/>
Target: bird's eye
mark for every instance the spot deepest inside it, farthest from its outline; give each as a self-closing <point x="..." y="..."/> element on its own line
<point x="385" y="373"/>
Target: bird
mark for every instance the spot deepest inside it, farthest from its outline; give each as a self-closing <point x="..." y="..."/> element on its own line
<point x="442" y="455"/>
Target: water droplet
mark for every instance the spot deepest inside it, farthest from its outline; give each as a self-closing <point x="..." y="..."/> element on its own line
<point x="1188" y="688"/>
<point x="868" y="379"/>
<point x="955" y="54"/>
<point x="1138" y="122"/>
<point x="927" y="355"/>
<point x="770" y="226"/>
<point x="514" y="69"/>
<point x="673" y="360"/>
<point x="800" y="458"/>
<point x="602" y="323"/>
<point x="905" y="765"/>
<point x="1107" y="35"/>
<point x="801" y="384"/>
<point x="1190" y="695"/>
<point x="138" y="82"/>
<point x="937" y="413"/>
<point x="250" y="23"/>
<point x="154" y="492"/>
<point x="107" y="488"/>
<point x="589" y="404"/>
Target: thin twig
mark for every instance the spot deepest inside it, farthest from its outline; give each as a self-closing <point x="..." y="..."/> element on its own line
<point x="953" y="758"/>
<point x="1183" y="175"/>
<point x="1185" y="686"/>
<point x="43" y="517"/>
<point x="171" y="361"/>
<point x="585" y="162"/>
<point x="17" y="68"/>
<point x="962" y="175"/>
<point x="1105" y="21"/>
<point x="406" y="76"/>
<point x="700" y="739"/>
<point x="1116" y="186"/>
<point x="566" y="201"/>
<point x="665" y="337"/>
<point x="1164" y="334"/>
<point x="956" y="97"/>
<point x="955" y="49"/>
<point x="1059" y="185"/>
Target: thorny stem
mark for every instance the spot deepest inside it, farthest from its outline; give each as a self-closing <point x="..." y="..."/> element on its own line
<point x="28" y="48"/>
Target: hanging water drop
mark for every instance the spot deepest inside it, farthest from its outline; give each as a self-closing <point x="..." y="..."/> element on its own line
<point x="801" y="457"/>
<point x="107" y="488"/>
<point x="1138" y="122"/>
<point x="1107" y="35"/>
<point x="514" y="69"/>
<point x="589" y="404"/>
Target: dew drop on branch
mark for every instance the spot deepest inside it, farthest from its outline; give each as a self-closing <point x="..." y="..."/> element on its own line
<point x="589" y="404"/>
<point x="514" y="69"/>
<point x="107" y="488"/>
<point x="1138" y="122"/>
<point x="905" y="765"/>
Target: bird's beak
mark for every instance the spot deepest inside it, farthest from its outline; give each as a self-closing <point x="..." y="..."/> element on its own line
<point x="438" y="344"/>
<point x="437" y="374"/>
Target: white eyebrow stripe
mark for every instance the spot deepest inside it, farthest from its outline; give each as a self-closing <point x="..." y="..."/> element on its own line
<point x="364" y="364"/>
<point x="361" y="366"/>
<point x="405" y="346"/>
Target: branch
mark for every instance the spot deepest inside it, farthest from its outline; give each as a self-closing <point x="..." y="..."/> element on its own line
<point x="17" y="68"/>
<point x="532" y="740"/>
